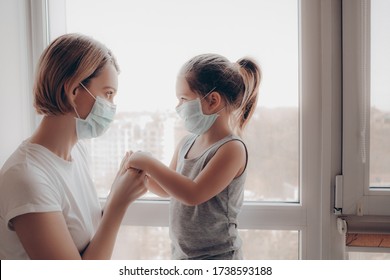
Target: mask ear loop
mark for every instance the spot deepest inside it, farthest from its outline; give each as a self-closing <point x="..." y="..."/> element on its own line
<point x="74" y="108"/>
<point x="208" y="95"/>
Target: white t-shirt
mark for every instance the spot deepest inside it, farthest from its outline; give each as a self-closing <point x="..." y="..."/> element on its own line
<point x="34" y="179"/>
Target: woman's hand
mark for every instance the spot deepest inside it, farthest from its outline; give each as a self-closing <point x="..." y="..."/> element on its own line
<point x="128" y="185"/>
<point x="141" y="161"/>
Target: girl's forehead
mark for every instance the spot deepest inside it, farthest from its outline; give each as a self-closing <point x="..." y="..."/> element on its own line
<point x="181" y="81"/>
<point x="182" y="86"/>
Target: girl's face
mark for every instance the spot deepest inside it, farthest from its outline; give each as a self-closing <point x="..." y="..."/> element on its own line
<point x="183" y="91"/>
<point x="105" y="85"/>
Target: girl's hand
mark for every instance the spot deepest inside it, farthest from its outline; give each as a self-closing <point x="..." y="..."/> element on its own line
<point x="138" y="160"/>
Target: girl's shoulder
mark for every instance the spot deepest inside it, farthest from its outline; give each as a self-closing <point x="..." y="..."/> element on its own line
<point x="230" y="140"/>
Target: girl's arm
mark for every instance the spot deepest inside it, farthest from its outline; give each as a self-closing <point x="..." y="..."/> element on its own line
<point x="228" y="162"/>
<point x="155" y="187"/>
<point x="152" y="184"/>
<point x="46" y="235"/>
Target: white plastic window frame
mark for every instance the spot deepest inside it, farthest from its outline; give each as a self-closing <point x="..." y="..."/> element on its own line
<point x="309" y="215"/>
<point x="358" y="198"/>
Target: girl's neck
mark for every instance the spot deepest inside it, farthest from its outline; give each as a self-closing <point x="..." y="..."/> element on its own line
<point x="219" y="130"/>
<point x="57" y="134"/>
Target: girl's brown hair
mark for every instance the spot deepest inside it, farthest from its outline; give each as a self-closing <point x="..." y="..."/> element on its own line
<point x="67" y="61"/>
<point x="238" y="83"/>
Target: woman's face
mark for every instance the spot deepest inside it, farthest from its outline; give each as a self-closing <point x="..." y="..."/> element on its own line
<point x="105" y="85"/>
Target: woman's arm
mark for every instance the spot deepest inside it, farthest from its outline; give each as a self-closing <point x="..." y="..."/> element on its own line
<point x="46" y="235"/>
<point x="127" y="187"/>
<point x="226" y="164"/>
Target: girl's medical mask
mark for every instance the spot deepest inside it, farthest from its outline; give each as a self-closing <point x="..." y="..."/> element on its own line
<point x="194" y="120"/>
<point x="98" y="120"/>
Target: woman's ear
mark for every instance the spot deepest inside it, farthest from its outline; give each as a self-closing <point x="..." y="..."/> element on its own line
<point x="72" y="92"/>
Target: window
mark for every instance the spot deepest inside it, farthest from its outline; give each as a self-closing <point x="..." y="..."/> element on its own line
<point x="281" y="203"/>
<point x="151" y="48"/>
<point x="380" y="102"/>
<point x="366" y="133"/>
<point x="366" y="107"/>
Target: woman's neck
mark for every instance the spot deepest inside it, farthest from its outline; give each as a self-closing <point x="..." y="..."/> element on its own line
<point x="57" y="134"/>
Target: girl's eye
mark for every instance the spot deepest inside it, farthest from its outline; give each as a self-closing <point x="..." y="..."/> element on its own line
<point x="181" y="101"/>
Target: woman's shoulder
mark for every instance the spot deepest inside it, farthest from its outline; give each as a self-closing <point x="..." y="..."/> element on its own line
<point x="17" y="159"/>
<point x="31" y="161"/>
<point x="20" y="171"/>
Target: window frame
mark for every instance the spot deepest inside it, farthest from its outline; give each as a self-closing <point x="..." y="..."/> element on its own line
<point x="312" y="215"/>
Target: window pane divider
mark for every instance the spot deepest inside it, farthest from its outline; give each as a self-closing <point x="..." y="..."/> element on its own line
<point x="254" y="215"/>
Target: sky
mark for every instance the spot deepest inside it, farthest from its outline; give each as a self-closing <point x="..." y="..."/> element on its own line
<point x="152" y="39"/>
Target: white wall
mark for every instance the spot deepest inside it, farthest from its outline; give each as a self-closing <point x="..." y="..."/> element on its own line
<point x="15" y="76"/>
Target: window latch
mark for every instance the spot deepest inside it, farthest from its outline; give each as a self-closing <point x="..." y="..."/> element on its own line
<point x="338" y="195"/>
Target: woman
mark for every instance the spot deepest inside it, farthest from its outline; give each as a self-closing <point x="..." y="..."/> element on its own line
<point x="48" y="205"/>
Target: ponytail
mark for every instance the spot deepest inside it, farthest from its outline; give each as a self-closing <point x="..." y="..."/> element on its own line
<point x="251" y="76"/>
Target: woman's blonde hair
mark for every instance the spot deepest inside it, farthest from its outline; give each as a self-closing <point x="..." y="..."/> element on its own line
<point x="238" y="83"/>
<point x="69" y="60"/>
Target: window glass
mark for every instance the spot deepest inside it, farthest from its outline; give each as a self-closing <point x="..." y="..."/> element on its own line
<point x="153" y="243"/>
<point x="380" y="98"/>
<point x="152" y="39"/>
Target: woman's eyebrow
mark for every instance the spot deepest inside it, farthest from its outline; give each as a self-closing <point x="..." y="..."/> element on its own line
<point x="110" y="87"/>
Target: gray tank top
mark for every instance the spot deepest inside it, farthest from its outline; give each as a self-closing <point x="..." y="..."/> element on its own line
<point x="207" y="230"/>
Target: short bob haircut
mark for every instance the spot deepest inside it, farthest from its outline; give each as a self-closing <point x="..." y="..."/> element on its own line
<point x="69" y="60"/>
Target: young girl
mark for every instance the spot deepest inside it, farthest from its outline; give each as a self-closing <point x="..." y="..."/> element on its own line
<point x="208" y="170"/>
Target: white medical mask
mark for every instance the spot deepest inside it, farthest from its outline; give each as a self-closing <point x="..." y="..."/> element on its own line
<point x="98" y="120"/>
<point x="194" y="120"/>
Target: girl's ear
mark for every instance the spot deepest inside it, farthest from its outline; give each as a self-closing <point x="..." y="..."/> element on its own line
<point x="214" y="100"/>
